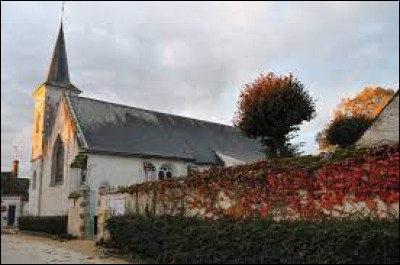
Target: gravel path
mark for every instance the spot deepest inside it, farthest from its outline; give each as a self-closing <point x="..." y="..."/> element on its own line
<point x="17" y="249"/>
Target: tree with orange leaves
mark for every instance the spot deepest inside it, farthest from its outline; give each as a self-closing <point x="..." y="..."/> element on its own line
<point x="272" y="108"/>
<point x="368" y="103"/>
<point x="352" y="117"/>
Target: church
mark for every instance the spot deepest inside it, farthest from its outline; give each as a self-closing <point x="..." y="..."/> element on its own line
<point x="80" y="141"/>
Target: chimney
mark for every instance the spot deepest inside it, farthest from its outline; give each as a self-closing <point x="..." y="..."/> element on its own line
<point x="15" y="169"/>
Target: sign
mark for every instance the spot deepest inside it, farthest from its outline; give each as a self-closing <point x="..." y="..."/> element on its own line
<point x="3" y="207"/>
<point x="117" y="205"/>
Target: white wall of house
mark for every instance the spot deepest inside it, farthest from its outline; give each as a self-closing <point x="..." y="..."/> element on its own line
<point x="385" y="129"/>
<point x="19" y="205"/>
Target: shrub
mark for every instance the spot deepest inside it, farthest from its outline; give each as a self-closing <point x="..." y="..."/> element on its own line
<point x="193" y="241"/>
<point x="346" y="131"/>
<point x="53" y="225"/>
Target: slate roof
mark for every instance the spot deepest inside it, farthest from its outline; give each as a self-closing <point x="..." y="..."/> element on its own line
<point x="116" y="129"/>
<point x="11" y="186"/>
<point x="58" y="74"/>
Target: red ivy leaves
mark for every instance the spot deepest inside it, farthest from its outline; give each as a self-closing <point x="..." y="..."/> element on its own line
<point x="259" y="189"/>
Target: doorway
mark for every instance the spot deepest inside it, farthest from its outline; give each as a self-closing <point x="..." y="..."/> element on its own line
<point x="11" y="215"/>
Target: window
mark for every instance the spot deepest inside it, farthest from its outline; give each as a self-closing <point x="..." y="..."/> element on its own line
<point x="165" y="172"/>
<point x="149" y="171"/>
<point x="58" y="163"/>
<point x="83" y="176"/>
<point x="34" y="179"/>
<point x="37" y="125"/>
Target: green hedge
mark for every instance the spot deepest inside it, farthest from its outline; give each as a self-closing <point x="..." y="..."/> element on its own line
<point x="182" y="240"/>
<point x="53" y="225"/>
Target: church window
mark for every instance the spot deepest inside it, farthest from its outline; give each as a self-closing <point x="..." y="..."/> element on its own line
<point x="165" y="172"/>
<point x="58" y="163"/>
<point x="34" y="179"/>
<point x="149" y="171"/>
<point x="37" y="124"/>
<point x="161" y="175"/>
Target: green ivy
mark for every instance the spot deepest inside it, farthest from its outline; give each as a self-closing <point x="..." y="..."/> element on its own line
<point x="75" y="195"/>
<point x="80" y="161"/>
<point x="177" y="240"/>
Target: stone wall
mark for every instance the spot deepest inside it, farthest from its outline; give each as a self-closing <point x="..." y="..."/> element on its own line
<point x="364" y="185"/>
<point x="79" y="216"/>
<point x="147" y="203"/>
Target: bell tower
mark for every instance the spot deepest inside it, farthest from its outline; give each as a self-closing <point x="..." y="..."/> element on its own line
<point x="47" y="96"/>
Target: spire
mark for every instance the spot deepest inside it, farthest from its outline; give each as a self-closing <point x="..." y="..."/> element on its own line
<point x="58" y="72"/>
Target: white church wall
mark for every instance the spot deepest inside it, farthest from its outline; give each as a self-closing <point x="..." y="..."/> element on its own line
<point x="34" y="187"/>
<point x="55" y="198"/>
<point x="123" y="171"/>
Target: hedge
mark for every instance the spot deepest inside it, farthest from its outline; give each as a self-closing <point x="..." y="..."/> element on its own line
<point x="181" y="240"/>
<point x="53" y="225"/>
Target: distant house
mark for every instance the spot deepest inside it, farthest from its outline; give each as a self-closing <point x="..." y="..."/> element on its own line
<point x="14" y="197"/>
<point x="385" y="128"/>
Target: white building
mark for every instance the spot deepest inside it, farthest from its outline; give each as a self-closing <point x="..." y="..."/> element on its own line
<point x="14" y="197"/>
<point x="385" y="128"/>
<point x="79" y="140"/>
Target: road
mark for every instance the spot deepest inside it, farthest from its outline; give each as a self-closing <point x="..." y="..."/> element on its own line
<point x="19" y="249"/>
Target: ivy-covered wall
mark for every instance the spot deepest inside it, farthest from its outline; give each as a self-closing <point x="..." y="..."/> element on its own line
<point x="349" y="184"/>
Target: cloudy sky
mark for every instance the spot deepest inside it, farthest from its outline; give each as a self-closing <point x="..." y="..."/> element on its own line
<point x="192" y="58"/>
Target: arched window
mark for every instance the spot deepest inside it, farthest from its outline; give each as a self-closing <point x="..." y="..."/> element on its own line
<point x="34" y="179"/>
<point x="37" y="125"/>
<point x="58" y="163"/>
<point x="165" y="172"/>
<point x="149" y="171"/>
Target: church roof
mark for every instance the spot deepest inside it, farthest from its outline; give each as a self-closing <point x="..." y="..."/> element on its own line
<point x="58" y="74"/>
<point x="121" y="130"/>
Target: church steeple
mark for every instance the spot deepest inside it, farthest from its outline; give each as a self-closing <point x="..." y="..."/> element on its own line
<point x="58" y="72"/>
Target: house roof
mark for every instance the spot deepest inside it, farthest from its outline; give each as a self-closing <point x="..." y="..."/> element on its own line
<point x="11" y="186"/>
<point x="116" y="129"/>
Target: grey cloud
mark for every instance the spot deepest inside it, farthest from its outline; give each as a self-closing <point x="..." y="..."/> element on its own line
<point x="193" y="58"/>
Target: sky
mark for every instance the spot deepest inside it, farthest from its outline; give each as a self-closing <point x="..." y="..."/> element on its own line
<point x="193" y="58"/>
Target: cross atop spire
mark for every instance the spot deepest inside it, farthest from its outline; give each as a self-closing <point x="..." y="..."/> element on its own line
<point x="62" y="11"/>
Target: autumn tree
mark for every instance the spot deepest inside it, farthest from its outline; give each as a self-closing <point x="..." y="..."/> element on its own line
<point x="353" y="116"/>
<point x="368" y="103"/>
<point x="271" y="109"/>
